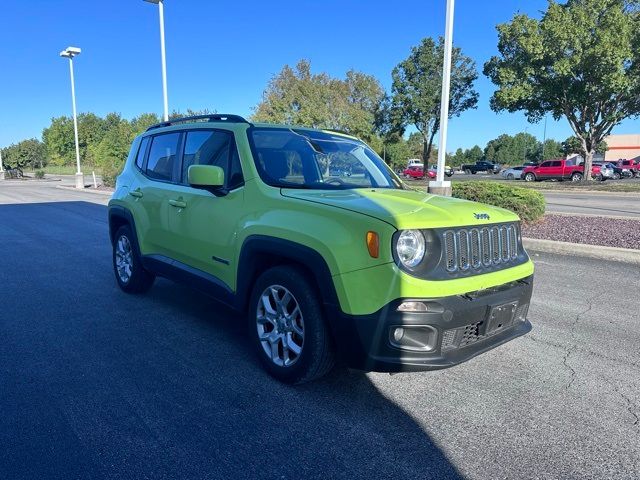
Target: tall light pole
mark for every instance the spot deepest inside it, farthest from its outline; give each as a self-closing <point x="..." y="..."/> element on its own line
<point x="160" y="4"/>
<point x="440" y="186"/>
<point x="1" y="167"/>
<point x="69" y="53"/>
<point x="544" y="137"/>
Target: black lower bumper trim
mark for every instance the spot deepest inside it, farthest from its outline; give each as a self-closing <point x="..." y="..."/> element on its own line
<point x="363" y="341"/>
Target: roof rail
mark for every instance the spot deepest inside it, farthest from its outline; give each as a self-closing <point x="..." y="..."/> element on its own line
<point x="211" y="117"/>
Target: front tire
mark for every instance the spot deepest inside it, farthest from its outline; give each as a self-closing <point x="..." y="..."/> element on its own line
<point x="287" y="326"/>
<point x="529" y="177"/>
<point x="511" y="176"/>
<point x="127" y="264"/>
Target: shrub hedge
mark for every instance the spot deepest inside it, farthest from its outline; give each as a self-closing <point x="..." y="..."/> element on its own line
<point x="527" y="203"/>
<point x="109" y="175"/>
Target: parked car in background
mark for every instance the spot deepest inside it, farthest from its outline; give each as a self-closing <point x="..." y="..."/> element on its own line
<point x="448" y="171"/>
<point x="618" y="172"/>
<point x="417" y="172"/>
<point x="608" y="170"/>
<point x="481" y="166"/>
<point x="561" y="169"/>
<point x="630" y="166"/>
<point x="513" y="173"/>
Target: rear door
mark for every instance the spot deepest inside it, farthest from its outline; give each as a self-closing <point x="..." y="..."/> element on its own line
<point x="158" y="175"/>
<point x="555" y="169"/>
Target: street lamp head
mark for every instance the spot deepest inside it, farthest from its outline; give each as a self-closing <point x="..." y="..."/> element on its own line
<point x="70" y="52"/>
<point x="153" y="1"/>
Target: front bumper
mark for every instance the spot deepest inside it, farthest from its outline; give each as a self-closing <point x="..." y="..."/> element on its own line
<point x="462" y="328"/>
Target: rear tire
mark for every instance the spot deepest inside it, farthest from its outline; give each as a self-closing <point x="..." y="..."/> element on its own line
<point x="127" y="263"/>
<point x="287" y="326"/>
<point x="576" y="177"/>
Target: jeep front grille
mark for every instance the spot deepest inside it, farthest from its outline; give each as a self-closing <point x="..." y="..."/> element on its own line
<point x="483" y="247"/>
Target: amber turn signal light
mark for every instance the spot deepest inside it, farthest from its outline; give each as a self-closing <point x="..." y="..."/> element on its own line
<point x="373" y="244"/>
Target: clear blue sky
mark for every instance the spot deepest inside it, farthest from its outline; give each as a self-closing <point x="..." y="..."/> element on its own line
<point x="221" y="55"/>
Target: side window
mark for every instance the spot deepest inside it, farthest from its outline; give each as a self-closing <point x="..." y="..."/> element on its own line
<point x="555" y="164"/>
<point x="217" y="148"/>
<point x="545" y="164"/>
<point x="162" y="156"/>
<point x="141" y="151"/>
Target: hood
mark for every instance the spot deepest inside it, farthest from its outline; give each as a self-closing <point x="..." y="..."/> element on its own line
<point x="407" y="208"/>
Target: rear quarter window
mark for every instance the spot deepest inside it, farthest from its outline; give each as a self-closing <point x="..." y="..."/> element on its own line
<point x="141" y="152"/>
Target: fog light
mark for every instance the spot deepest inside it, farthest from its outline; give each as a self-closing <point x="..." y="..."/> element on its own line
<point x="416" y="338"/>
<point x="398" y="333"/>
<point x="412" y="307"/>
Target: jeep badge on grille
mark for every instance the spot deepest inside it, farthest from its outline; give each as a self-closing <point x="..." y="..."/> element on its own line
<point x="481" y="216"/>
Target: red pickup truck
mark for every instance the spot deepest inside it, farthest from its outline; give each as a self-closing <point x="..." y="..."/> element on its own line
<point x="631" y="165"/>
<point x="561" y="170"/>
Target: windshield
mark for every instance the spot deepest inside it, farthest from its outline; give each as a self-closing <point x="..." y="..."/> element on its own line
<point x="292" y="158"/>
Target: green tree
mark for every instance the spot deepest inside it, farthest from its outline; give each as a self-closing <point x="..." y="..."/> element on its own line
<point x="415" y="142"/>
<point x="512" y="150"/>
<point x="417" y="86"/>
<point x="458" y="158"/>
<point x="551" y="149"/>
<point x="298" y="96"/>
<point x="397" y="153"/>
<point x="59" y="141"/>
<point x="573" y="145"/>
<point x="112" y="151"/>
<point x="27" y="153"/>
<point x="91" y="130"/>
<point x="140" y="123"/>
<point x="474" y="154"/>
<point x="580" y="61"/>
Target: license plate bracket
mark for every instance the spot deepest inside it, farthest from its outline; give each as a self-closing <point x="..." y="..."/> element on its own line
<point x="500" y="317"/>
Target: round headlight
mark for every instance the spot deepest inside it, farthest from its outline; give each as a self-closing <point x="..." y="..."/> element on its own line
<point x="410" y="247"/>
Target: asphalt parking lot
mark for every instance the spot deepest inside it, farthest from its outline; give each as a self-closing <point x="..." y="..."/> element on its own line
<point x="95" y="383"/>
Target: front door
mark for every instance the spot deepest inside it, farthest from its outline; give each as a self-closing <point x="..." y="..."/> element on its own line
<point x="544" y="170"/>
<point x="203" y="227"/>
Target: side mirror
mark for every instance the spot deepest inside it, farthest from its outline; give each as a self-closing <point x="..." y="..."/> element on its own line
<point x="207" y="177"/>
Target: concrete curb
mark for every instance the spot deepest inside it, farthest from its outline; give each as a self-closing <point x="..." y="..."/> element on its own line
<point x="86" y="190"/>
<point x="586" y="192"/>
<point x="615" y="254"/>
<point x="617" y="217"/>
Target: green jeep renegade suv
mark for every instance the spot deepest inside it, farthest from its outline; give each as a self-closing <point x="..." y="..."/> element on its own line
<point x="315" y="240"/>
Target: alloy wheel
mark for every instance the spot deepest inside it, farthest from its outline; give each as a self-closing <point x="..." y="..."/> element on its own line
<point x="280" y="325"/>
<point x="124" y="259"/>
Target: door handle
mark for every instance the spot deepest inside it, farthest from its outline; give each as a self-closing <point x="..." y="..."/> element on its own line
<point x="178" y="203"/>
<point x="136" y="193"/>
